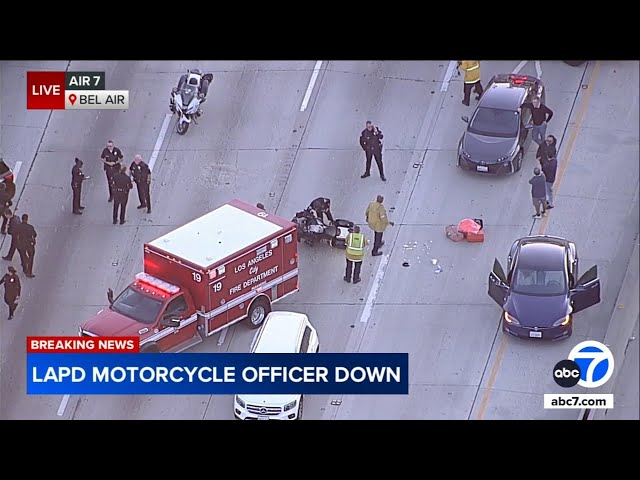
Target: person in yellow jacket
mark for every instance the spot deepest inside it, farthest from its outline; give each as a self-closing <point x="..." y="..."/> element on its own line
<point x="377" y="220"/>
<point x="471" y="69"/>
<point x="355" y="253"/>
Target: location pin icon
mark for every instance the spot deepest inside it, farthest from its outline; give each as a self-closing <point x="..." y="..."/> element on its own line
<point x="72" y="98"/>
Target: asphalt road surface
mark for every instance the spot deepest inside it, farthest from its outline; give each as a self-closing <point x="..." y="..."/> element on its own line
<point x="259" y="140"/>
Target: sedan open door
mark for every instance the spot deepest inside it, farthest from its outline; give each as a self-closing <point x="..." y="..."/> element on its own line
<point x="587" y="290"/>
<point x="498" y="288"/>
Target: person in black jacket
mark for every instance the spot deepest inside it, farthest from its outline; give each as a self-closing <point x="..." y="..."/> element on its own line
<point x="549" y="162"/>
<point x="121" y="187"/>
<point x="12" y="289"/>
<point x="12" y="229"/>
<point x="5" y="202"/>
<point x="26" y="245"/>
<point x="371" y="142"/>
<point x="141" y="174"/>
<point x="77" y="177"/>
<point x="540" y="116"/>
<point x="111" y="157"/>
<point x="322" y="206"/>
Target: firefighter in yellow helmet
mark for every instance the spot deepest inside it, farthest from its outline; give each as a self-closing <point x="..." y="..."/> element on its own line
<point x="471" y="70"/>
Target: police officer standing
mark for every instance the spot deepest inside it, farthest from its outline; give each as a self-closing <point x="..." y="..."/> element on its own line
<point x="5" y="203"/>
<point x="371" y="142"/>
<point x="12" y="288"/>
<point x="111" y="157"/>
<point x="322" y="206"/>
<point x="355" y="253"/>
<point x="26" y="245"/>
<point x="142" y="176"/>
<point x="121" y="187"/>
<point x="77" y="177"/>
<point x="12" y="229"/>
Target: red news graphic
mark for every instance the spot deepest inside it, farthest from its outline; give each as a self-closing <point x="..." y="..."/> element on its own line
<point x="45" y="90"/>
<point x="83" y="345"/>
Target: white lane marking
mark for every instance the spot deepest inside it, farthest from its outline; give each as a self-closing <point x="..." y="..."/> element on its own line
<point x="160" y="140"/>
<point x="520" y="66"/>
<point x="373" y="293"/>
<point x="63" y="405"/>
<point x="447" y="75"/>
<point x="538" y="68"/>
<point x="16" y="170"/>
<point x="312" y="82"/>
<point x="223" y="335"/>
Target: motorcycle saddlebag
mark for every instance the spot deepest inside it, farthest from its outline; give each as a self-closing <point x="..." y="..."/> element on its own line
<point x="477" y="237"/>
<point x="343" y="223"/>
<point x="452" y="233"/>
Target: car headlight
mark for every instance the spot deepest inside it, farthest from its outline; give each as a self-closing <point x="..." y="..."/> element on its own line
<point x="563" y="321"/>
<point x="507" y="158"/>
<point x="463" y="153"/>
<point x="511" y="319"/>
<point x="240" y="402"/>
<point x="290" y="405"/>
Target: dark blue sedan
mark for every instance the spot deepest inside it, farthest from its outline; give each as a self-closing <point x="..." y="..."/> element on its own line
<point x="540" y="293"/>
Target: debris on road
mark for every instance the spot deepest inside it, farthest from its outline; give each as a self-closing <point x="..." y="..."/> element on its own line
<point x="405" y="264"/>
<point x="470" y="229"/>
<point x="438" y="269"/>
<point x="336" y="402"/>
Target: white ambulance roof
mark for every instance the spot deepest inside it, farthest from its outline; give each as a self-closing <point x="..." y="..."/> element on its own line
<point x="216" y="235"/>
<point x="281" y="332"/>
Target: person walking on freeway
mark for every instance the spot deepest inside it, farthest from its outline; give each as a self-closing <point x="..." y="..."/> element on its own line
<point x="538" y="192"/>
<point x="26" y="245"/>
<point x="12" y="288"/>
<point x="355" y="242"/>
<point x="471" y="70"/>
<point x="12" y="229"/>
<point x="371" y="142"/>
<point x="376" y="216"/>
<point x="540" y="116"/>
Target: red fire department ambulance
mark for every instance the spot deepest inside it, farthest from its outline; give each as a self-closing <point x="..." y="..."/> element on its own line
<point x="223" y="267"/>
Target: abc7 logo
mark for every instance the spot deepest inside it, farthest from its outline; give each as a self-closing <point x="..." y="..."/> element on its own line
<point x="590" y="364"/>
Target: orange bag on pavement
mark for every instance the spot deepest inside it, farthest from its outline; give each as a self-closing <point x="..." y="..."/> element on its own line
<point x="468" y="226"/>
<point x="477" y="237"/>
<point x="452" y="233"/>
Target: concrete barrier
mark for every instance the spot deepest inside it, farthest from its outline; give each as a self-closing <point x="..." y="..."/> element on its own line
<point x="620" y="330"/>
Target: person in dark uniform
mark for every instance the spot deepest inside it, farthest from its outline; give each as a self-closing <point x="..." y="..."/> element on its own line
<point x="142" y="176"/>
<point x="5" y="203"/>
<point x="26" y="245"/>
<point x="111" y="157"/>
<point x="371" y="142"/>
<point x="322" y="206"/>
<point x="121" y="187"/>
<point x="12" y="229"/>
<point x="12" y="288"/>
<point x="77" y="177"/>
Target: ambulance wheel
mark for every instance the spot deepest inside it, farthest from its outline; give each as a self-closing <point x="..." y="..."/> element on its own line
<point x="258" y="312"/>
<point x="150" y="348"/>
<point x="300" y="408"/>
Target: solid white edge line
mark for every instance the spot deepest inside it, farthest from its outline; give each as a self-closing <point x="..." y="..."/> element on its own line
<point x="223" y="336"/>
<point x="159" y="141"/>
<point x="538" y="69"/>
<point x="312" y="82"/>
<point x="16" y="170"/>
<point x="63" y="405"/>
<point x="373" y="293"/>
<point x="447" y="75"/>
<point x="520" y="66"/>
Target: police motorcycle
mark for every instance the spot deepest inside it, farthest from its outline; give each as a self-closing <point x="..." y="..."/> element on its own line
<point x="312" y="229"/>
<point x="188" y="96"/>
